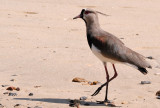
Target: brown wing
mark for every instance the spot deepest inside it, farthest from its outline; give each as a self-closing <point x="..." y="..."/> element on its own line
<point x="112" y="47"/>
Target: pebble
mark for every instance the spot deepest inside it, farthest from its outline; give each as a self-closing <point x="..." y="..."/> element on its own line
<point x="77" y="79"/>
<point x="30" y="94"/>
<point x="123" y="102"/>
<point x="5" y="85"/>
<point x="18" y="89"/>
<point x="12" y="80"/>
<point x="89" y="82"/>
<point x="83" y="98"/>
<point x="6" y="93"/>
<point x="14" y="75"/>
<point x="37" y="86"/>
<point x="13" y="88"/>
<point x="95" y="82"/>
<point x="12" y="94"/>
<point x="150" y="57"/>
<point x="121" y="38"/>
<point x="145" y="82"/>
<point x="17" y="105"/>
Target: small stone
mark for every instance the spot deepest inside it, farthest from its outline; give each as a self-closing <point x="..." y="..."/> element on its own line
<point x="150" y="57"/>
<point x="5" y="85"/>
<point x="95" y="82"/>
<point x="17" y="105"/>
<point x="14" y="75"/>
<point x="77" y="79"/>
<point x="12" y="80"/>
<point x="158" y="93"/>
<point x="37" y="86"/>
<point x="123" y="102"/>
<point x="18" y="89"/>
<point x="12" y="94"/>
<point x="30" y="94"/>
<point x="13" y="88"/>
<point x="89" y="82"/>
<point x="145" y="82"/>
<point x="6" y="93"/>
<point x="83" y="98"/>
<point x="121" y="38"/>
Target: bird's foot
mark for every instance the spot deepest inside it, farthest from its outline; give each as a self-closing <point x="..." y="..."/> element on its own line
<point x="97" y="91"/>
<point x="105" y="101"/>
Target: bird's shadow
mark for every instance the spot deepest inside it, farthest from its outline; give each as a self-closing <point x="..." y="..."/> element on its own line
<point x="59" y="101"/>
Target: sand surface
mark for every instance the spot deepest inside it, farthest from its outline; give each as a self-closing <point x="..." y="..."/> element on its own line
<point x="40" y="45"/>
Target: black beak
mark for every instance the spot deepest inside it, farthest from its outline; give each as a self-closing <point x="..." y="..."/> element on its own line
<point x="81" y="15"/>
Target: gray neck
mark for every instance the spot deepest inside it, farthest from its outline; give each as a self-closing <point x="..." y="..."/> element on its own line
<point x="92" y="26"/>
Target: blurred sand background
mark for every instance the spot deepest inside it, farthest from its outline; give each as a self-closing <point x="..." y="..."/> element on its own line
<point x="40" y="45"/>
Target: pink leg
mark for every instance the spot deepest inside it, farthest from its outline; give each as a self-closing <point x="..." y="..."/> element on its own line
<point x="115" y="73"/>
<point x="106" y="83"/>
<point x="107" y="74"/>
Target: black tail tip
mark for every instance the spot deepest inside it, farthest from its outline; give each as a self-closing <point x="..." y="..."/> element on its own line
<point x="143" y="70"/>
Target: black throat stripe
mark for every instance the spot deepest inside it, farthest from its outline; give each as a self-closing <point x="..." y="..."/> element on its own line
<point x="89" y="40"/>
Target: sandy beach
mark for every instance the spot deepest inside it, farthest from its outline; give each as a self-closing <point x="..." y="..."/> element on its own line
<point x="42" y="49"/>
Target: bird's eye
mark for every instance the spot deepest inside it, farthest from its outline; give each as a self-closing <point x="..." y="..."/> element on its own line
<point x="86" y="12"/>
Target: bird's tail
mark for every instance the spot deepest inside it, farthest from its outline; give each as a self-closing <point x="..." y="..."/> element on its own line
<point x="144" y="70"/>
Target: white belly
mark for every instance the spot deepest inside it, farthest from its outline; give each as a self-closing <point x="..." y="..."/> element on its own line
<point x="97" y="53"/>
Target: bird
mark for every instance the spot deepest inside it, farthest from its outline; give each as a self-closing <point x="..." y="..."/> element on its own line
<point x="109" y="48"/>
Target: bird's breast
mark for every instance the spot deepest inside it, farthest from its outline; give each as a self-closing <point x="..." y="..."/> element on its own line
<point x="97" y="53"/>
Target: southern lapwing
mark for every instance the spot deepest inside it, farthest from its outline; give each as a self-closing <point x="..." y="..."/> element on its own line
<point x="109" y="48"/>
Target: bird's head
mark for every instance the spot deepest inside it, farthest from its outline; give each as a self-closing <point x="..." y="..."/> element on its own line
<point x="88" y="15"/>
